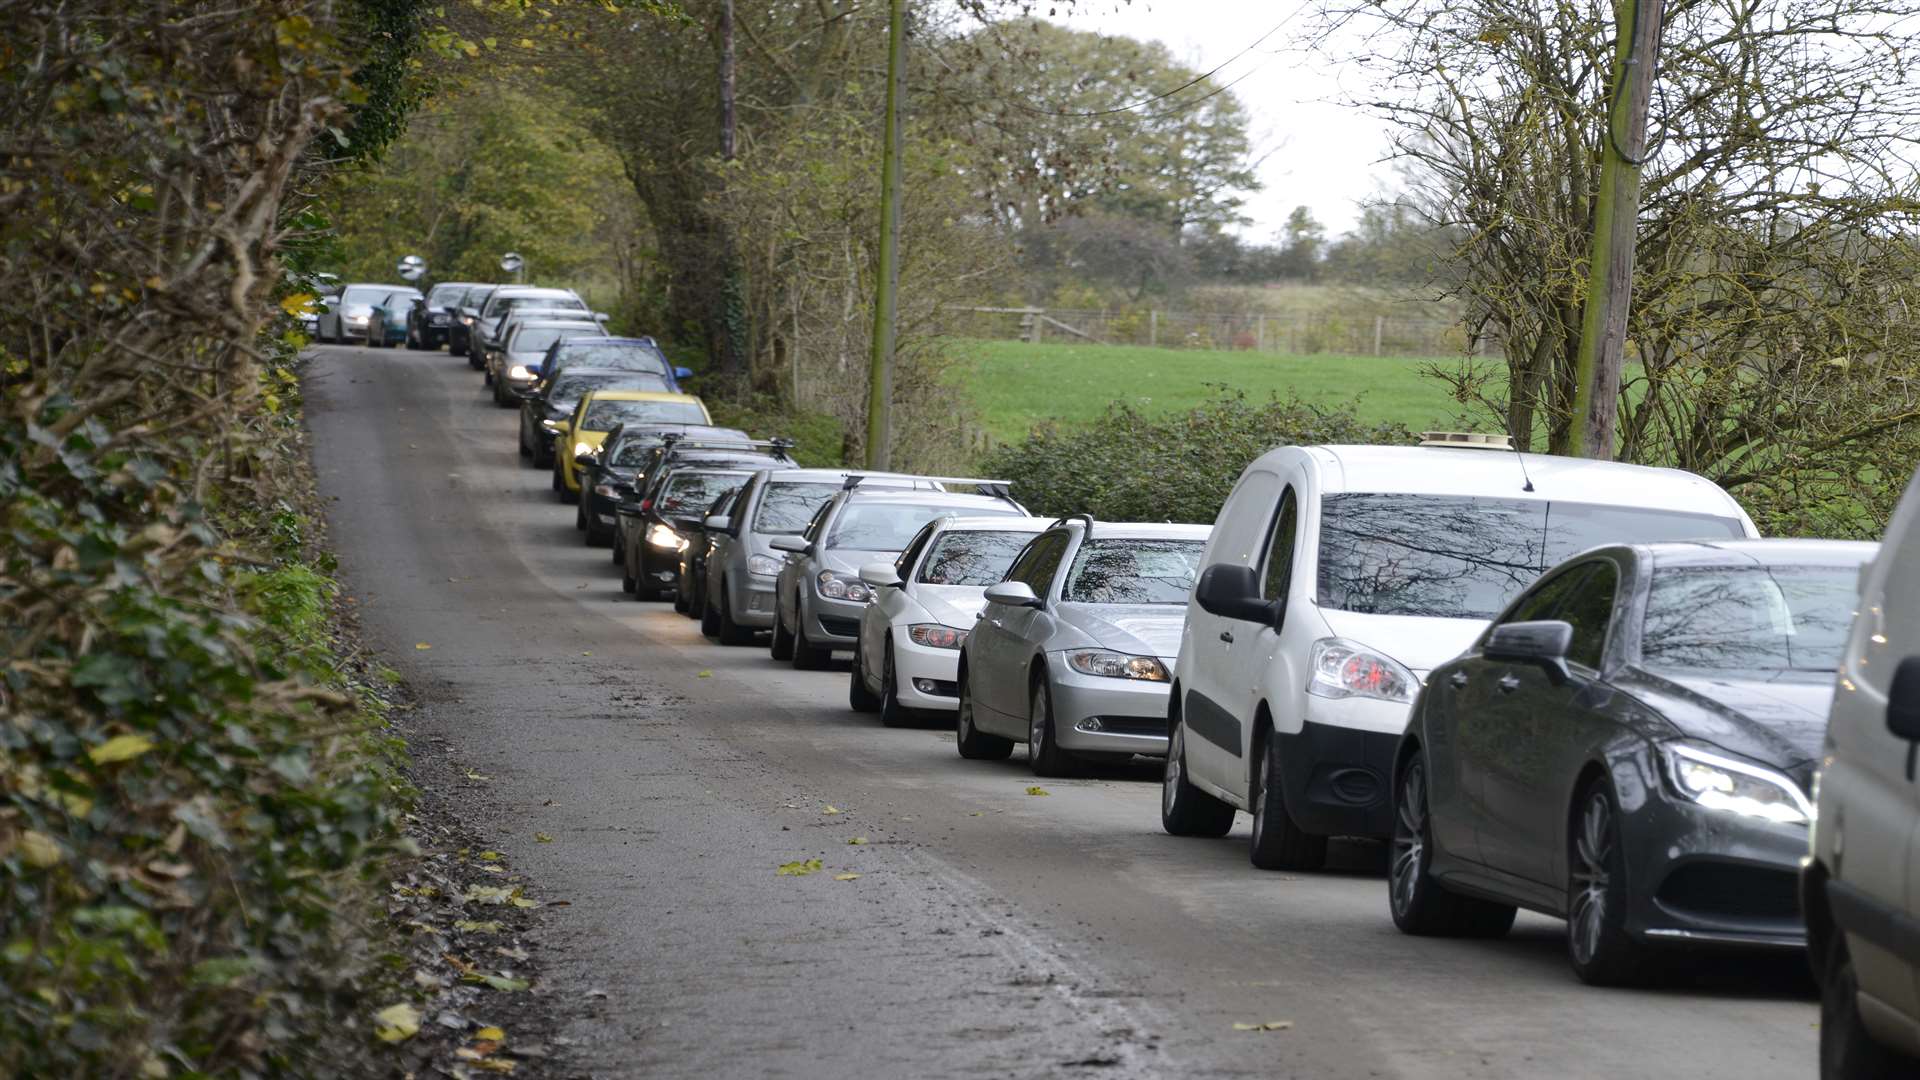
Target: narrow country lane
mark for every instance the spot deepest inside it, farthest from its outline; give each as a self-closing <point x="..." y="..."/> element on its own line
<point x="990" y="932"/>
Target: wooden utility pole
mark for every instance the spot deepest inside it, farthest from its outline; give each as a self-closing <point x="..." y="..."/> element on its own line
<point x="886" y="303"/>
<point x="726" y="80"/>
<point x="1603" y="325"/>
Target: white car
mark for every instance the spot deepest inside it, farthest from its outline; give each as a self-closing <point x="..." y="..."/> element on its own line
<point x="343" y="318"/>
<point x="1336" y="579"/>
<point x="1860" y="887"/>
<point x="924" y="603"/>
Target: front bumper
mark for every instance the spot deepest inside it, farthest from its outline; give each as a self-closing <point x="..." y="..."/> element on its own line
<point x="1337" y="778"/>
<point x="1098" y="714"/>
<point x="751" y="598"/>
<point x="925" y="678"/>
<point x="830" y="622"/>
<point x="1708" y="877"/>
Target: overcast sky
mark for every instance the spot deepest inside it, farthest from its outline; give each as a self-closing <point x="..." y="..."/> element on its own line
<point x="1318" y="153"/>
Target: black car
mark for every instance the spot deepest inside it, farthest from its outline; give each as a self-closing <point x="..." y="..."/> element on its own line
<point x="690" y="592"/>
<point x="546" y="406"/>
<point x="429" y="322"/>
<point x="670" y="512"/>
<point x="466" y="316"/>
<point x="611" y="354"/>
<point x="1630" y="746"/>
<point x="612" y="470"/>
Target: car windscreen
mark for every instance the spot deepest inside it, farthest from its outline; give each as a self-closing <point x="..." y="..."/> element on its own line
<point x="606" y="415"/>
<point x="361" y="294"/>
<point x="1749" y="618"/>
<point x="688" y="491"/>
<point x="787" y="507"/>
<point x="887" y="526"/>
<point x="1121" y="570"/>
<point x="616" y="357"/>
<point x="557" y="303"/>
<point x="969" y="557"/>
<point x="537" y="338"/>
<point x="443" y="295"/>
<point x="568" y="389"/>
<point x="1463" y="557"/>
<point x="400" y="300"/>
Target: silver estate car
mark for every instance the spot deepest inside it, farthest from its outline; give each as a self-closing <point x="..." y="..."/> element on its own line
<point x="742" y="564"/>
<point x="819" y="597"/>
<point x="1074" y="653"/>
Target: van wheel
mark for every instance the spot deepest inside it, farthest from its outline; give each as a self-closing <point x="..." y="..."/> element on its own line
<point x="1185" y="810"/>
<point x="1421" y="905"/>
<point x="1278" y="843"/>
<point x="1044" y="755"/>
<point x="1848" y="1051"/>
<point x="1598" y="945"/>
<point x="974" y="744"/>
<point x="859" y="698"/>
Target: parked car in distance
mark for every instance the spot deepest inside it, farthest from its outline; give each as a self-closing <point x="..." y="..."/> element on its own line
<point x="387" y="322"/>
<point x="621" y="353"/>
<point x="430" y="321"/>
<point x="599" y="412"/>
<point x="742" y="565"/>
<point x="690" y="593"/>
<point x="345" y="317"/>
<point x="1629" y="746"/>
<point x="460" y="340"/>
<point x="1860" y="885"/>
<point x="618" y="470"/>
<point x="667" y="516"/>
<point x="514" y="365"/>
<point x="1336" y="579"/>
<point x="626" y="508"/>
<point x="545" y="406"/>
<point x="907" y="656"/>
<point x="504" y="299"/>
<point x="1074" y="653"/>
<point x="818" y="594"/>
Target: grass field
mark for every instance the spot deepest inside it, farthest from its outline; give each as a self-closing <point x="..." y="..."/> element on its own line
<point x="1016" y="385"/>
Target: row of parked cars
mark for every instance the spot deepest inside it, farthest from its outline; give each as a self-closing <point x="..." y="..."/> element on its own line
<point x="1585" y="689"/>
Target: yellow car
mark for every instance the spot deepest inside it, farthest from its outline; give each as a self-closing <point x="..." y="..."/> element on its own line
<point x="600" y="411"/>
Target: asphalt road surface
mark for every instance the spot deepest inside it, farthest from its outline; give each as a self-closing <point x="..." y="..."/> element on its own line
<point x="990" y="933"/>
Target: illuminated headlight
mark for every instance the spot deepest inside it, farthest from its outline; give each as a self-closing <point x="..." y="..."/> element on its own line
<point x="582" y="448"/>
<point x="554" y="426"/>
<point x="660" y="536"/>
<point x="1115" y="665"/>
<point x="605" y="491"/>
<point x="763" y="565"/>
<point x="935" y="636"/>
<point x="1721" y="783"/>
<point x="833" y="586"/>
<point x="1343" y="669"/>
<point x="519" y="371"/>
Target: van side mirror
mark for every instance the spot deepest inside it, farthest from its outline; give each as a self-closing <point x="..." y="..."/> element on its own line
<point x="1233" y="592"/>
<point x="1903" y="700"/>
<point x="1544" y="643"/>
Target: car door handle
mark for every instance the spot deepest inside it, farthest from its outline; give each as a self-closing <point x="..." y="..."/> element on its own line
<point x="1226" y="636"/>
<point x="1508" y="684"/>
<point x="1458" y="679"/>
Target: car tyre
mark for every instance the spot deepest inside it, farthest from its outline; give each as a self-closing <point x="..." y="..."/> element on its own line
<point x="628" y="583"/>
<point x="1278" y="842"/>
<point x="892" y="713"/>
<point x="782" y="644"/>
<point x="1848" y="1051"/>
<point x="710" y="622"/>
<point x="1185" y="810"/>
<point x="859" y="698"/>
<point x="974" y="744"/>
<point x="542" y="454"/>
<point x="732" y="633"/>
<point x="580" y="517"/>
<point x="1419" y="903"/>
<point x="806" y="655"/>
<point x="1598" y="946"/>
<point x="1044" y="755"/>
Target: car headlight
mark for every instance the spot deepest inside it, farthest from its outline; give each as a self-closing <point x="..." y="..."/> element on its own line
<point x="834" y="586"/>
<point x="935" y="636"/>
<point x="606" y="491"/>
<point x="661" y="536"/>
<point x="1117" y="665"/>
<point x="1718" y="782"/>
<point x="582" y="448"/>
<point x="763" y="565"/>
<point x="519" y="371"/>
<point x="554" y="426"/>
<point x="1343" y="669"/>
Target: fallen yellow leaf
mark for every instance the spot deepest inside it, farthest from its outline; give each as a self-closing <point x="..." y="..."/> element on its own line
<point x="857" y="841"/>
<point x="706" y="675"/>
<point x="423" y="646"/>
<point x="488" y="856"/>
<point x="40" y="850"/>
<point x="396" y="1023"/>
<point x="845" y="877"/>
<point x="1038" y="791"/>
<point x="1267" y="1025"/>
<point x="542" y="838"/>
<point x="831" y="809"/>
<point x="120" y="748"/>
<point x="488" y="926"/>
<point x="490" y="1034"/>
<point x="799" y="869"/>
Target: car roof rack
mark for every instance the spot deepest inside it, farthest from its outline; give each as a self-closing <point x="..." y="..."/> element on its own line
<point x="853" y="480"/>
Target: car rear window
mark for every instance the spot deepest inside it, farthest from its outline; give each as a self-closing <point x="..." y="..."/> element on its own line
<point x="1749" y="618"/>
<point x="537" y="338"/>
<point x="686" y="490"/>
<point x="971" y="557"/>
<point x="1123" y="570"/>
<point x="1463" y="557"/>
<point x="787" y="507"/>
<point x="606" y="415"/>
<point x="888" y="526"/>
<point x="620" y="357"/>
<point x="569" y="389"/>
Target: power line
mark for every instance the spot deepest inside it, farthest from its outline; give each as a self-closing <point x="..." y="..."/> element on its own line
<point x="1195" y="81"/>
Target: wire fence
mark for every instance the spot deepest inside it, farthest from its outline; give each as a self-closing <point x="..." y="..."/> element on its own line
<point x="1333" y="333"/>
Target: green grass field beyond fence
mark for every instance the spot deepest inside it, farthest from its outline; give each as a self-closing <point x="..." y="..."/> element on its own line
<point x="1016" y="385"/>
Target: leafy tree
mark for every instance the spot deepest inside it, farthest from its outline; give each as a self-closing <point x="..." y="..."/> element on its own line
<point x="1301" y="242"/>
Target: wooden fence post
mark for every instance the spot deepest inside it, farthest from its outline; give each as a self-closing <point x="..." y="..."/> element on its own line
<point x="1260" y="333"/>
<point x="1379" y="330"/>
<point x="1153" y="327"/>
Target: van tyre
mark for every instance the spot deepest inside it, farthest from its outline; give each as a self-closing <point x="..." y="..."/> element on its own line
<point x="1598" y="946"/>
<point x="974" y="744"/>
<point x="1848" y="1051"/>
<point x="1044" y="755"/>
<point x="1420" y="904"/>
<point x="1185" y="810"/>
<point x="859" y="698"/>
<point x="1278" y="843"/>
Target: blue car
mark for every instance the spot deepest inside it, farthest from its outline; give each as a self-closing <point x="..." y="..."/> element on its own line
<point x="611" y="354"/>
<point x="387" y="325"/>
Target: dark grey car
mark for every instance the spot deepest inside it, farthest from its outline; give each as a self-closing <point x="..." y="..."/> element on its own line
<point x="1630" y="746"/>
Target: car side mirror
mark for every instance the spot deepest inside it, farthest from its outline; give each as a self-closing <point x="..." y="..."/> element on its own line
<point x="1012" y="594"/>
<point x="683" y="373"/>
<point x="1544" y="643"/>
<point x="789" y="542"/>
<point x="880" y="575"/>
<point x="718" y="523"/>
<point x="584" y="461"/>
<point x="1903" y="700"/>
<point x="1232" y="591"/>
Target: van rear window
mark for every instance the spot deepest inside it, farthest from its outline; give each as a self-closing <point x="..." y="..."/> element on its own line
<point x="1462" y="557"/>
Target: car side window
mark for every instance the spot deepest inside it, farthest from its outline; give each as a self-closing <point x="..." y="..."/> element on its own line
<point x="819" y="522"/>
<point x="1040" y="574"/>
<point x="1244" y="527"/>
<point x="1286" y="523"/>
<point x="904" y="564"/>
<point x="1544" y="601"/>
<point x="1588" y="607"/>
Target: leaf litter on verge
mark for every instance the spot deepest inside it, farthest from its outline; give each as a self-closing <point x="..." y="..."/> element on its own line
<point x="799" y="869"/>
<point x="1265" y="1025"/>
<point x="846" y="877"/>
<point x="396" y="1023"/>
<point x="1038" y="791"/>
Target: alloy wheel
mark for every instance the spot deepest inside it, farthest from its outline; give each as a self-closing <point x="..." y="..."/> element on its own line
<point x="1171" y="776"/>
<point x="1593" y="850"/>
<point x="1409" y="838"/>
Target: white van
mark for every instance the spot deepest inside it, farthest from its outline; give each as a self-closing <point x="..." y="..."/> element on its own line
<point x="1860" y="886"/>
<point x="1336" y="579"/>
